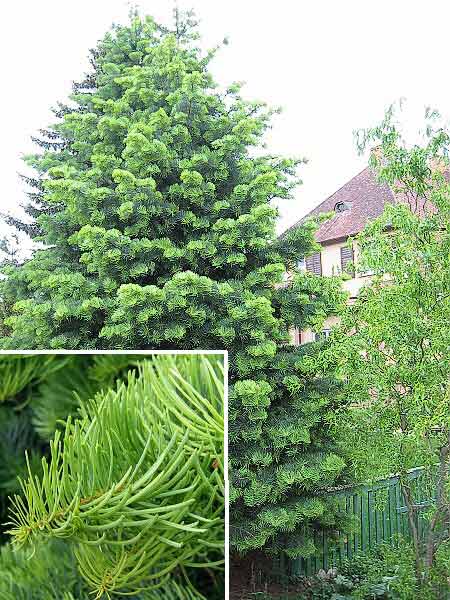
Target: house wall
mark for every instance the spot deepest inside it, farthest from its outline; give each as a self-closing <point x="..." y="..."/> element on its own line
<point x="331" y="265"/>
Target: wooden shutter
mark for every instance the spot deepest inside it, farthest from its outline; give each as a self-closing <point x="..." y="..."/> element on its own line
<point x="314" y="264"/>
<point x="347" y="260"/>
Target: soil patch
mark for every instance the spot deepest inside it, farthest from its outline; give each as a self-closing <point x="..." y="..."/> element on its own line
<point x="250" y="580"/>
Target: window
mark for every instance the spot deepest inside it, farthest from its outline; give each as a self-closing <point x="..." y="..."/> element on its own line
<point x="347" y="260"/>
<point x="301" y="264"/>
<point x="322" y="335"/>
<point x="314" y="264"/>
<point x="341" y="206"/>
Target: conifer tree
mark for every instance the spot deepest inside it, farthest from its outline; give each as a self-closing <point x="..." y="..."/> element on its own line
<point x="153" y="197"/>
<point x="128" y="498"/>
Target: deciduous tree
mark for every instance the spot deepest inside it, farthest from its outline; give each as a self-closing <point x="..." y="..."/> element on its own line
<point x="393" y="344"/>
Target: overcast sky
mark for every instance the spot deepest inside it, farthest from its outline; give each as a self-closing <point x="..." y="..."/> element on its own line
<point x="332" y="66"/>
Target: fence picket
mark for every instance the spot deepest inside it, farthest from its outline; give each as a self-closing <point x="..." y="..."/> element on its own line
<point x="380" y="512"/>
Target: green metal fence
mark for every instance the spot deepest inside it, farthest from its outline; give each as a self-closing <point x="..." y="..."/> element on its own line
<point x="380" y="514"/>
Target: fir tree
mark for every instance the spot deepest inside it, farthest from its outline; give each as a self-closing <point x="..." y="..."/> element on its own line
<point x="129" y="495"/>
<point x="154" y="195"/>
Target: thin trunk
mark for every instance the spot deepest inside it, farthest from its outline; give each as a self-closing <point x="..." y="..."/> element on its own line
<point x="412" y="512"/>
<point x="441" y="506"/>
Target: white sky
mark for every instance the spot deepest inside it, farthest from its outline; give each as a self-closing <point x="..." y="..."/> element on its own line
<point x="332" y="66"/>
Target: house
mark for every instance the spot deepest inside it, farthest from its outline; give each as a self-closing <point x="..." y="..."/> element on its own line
<point x="358" y="201"/>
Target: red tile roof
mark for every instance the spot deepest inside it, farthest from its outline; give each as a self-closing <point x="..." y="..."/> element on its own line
<point x="366" y="198"/>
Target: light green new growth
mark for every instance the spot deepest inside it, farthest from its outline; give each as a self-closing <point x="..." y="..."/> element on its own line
<point x="137" y="483"/>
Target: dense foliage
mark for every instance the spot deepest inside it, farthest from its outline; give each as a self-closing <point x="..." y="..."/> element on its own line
<point x="153" y="199"/>
<point x="392" y="347"/>
<point x="155" y="216"/>
<point x="128" y="496"/>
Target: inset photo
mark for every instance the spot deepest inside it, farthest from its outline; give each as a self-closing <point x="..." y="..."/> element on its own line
<point x="112" y="475"/>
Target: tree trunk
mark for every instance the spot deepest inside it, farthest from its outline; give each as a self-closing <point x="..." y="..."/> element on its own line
<point x="412" y="512"/>
<point x="441" y="507"/>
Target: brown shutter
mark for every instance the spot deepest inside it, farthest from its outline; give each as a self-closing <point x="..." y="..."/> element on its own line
<point x="347" y="260"/>
<point x="314" y="263"/>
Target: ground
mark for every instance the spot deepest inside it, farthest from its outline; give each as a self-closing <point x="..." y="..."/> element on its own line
<point x="247" y="581"/>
